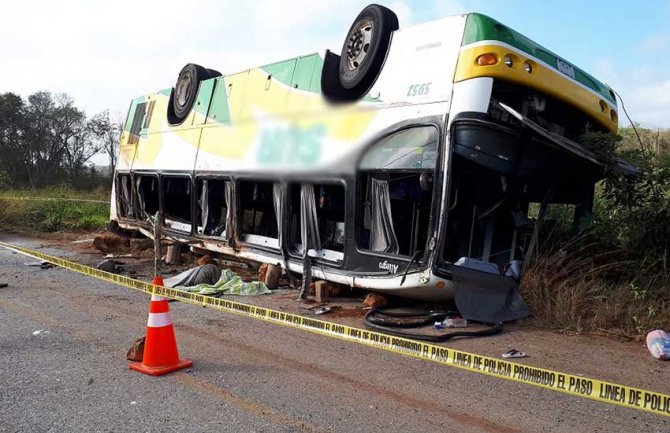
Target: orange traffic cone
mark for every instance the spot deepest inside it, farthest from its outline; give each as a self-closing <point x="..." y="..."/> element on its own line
<point x="160" y="347"/>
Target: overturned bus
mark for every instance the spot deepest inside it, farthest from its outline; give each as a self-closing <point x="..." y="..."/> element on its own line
<point x="411" y="152"/>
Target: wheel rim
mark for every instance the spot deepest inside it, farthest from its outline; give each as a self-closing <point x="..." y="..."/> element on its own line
<point x="358" y="44"/>
<point x="183" y="89"/>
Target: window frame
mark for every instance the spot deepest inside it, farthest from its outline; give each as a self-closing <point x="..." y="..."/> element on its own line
<point x="189" y="177"/>
<point x="273" y="247"/>
<point x="196" y="179"/>
<point x="292" y="252"/>
<point x="435" y="122"/>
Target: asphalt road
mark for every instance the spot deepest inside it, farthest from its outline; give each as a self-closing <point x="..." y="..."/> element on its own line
<point x="248" y="376"/>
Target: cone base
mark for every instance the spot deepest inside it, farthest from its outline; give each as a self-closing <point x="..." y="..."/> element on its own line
<point x="157" y="371"/>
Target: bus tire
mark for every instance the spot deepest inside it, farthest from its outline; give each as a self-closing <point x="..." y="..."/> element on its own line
<point x="185" y="91"/>
<point x="365" y="47"/>
<point x="331" y="88"/>
<point x="213" y="73"/>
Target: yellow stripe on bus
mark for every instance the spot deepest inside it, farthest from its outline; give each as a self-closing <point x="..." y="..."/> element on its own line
<point x="542" y="78"/>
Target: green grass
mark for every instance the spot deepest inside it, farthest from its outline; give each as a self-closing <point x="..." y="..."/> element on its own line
<point x="32" y="214"/>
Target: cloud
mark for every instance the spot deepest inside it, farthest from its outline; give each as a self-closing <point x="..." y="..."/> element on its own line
<point x="445" y="8"/>
<point x="645" y="90"/>
<point x="106" y="52"/>
<point x="655" y="43"/>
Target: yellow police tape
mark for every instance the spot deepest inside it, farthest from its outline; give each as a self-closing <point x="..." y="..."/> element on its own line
<point x="83" y="200"/>
<point x="563" y="382"/>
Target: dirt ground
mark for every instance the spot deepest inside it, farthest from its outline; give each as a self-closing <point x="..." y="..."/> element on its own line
<point x="626" y="362"/>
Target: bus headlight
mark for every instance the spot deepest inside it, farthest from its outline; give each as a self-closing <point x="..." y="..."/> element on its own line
<point x="527" y="67"/>
<point x="507" y="60"/>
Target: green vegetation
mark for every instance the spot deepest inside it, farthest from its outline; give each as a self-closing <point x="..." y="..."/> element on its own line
<point x="33" y="213"/>
<point x="613" y="275"/>
<point x="46" y="140"/>
<point x="46" y="146"/>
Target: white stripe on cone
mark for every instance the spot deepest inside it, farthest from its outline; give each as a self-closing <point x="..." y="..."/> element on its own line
<point x="157" y="298"/>
<point x="158" y="320"/>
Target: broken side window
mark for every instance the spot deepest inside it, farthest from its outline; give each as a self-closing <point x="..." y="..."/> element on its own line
<point x="396" y="191"/>
<point x="177" y="202"/>
<point x="321" y="206"/>
<point x="124" y="196"/>
<point x="147" y="196"/>
<point x="136" y="126"/>
<point x="212" y="207"/>
<point x="257" y="210"/>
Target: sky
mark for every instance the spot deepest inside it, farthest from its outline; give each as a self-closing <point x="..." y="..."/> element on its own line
<point x="106" y="52"/>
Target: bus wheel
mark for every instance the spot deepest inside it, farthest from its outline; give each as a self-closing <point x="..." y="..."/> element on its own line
<point x="365" y="47"/>
<point x="213" y="73"/>
<point x="185" y="91"/>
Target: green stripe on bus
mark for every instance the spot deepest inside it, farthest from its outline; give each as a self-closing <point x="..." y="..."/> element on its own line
<point x="218" y="109"/>
<point x="281" y="71"/>
<point x="482" y="28"/>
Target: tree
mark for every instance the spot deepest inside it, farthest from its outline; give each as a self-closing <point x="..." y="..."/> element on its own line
<point x="12" y="141"/>
<point x="107" y="132"/>
<point x="44" y="138"/>
<point x="47" y="139"/>
<point x="72" y="134"/>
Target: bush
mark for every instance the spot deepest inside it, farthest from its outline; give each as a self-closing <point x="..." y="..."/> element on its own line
<point x="613" y="276"/>
<point x="31" y="213"/>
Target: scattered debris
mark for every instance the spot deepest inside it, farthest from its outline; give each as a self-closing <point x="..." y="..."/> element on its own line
<point x="133" y="402"/>
<point x="272" y="275"/>
<point x="262" y="272"/>
<point x="83" y="241"/>
<point x="658" y="343"/>
<point x="375" y="300"/>
<point x="107" y="266"/>
<point x="321" y="310"/>
<point x="513" y="353"/>
<point x="323" y="290"/>
<point x="3" y="285"/>
<point x="42" y="264"/>
<point x="309" y="304"/>
<point x="136" y="351"/>
<point x="235" y="264"/>
<point x="142" y="244"/>
<point x="121" y="256"/>
<point x="109" y="243"/>
<point x="40" y="332"/>
<point x="451" y="322"/>
<point x="335" y="289"/>
<point x="173" y="256"/>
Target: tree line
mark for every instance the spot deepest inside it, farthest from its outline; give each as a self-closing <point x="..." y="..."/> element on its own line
<point x="47" y="140"/>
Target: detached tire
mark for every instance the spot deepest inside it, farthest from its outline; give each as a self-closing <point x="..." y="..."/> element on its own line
<point x="185" y="91"/>
<point x="365" y="47"/>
